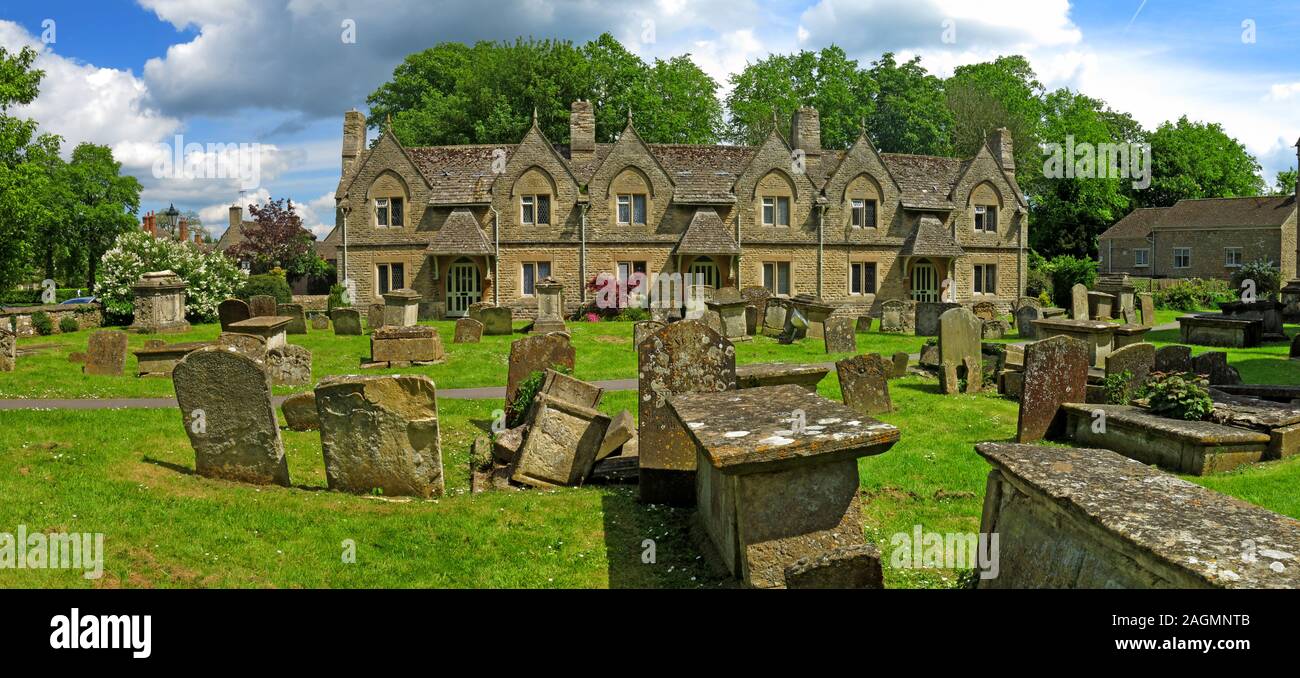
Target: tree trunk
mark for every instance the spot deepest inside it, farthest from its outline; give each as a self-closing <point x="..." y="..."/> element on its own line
<point x="90" y="274"/>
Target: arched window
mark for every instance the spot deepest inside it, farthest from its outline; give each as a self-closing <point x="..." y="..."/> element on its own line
<point x="774" y="196"/>
<point x="534" y="193"/>
<point x="986" y="206"/>
<point x="862" y="202"/>
<point x="388" y="201"/>
<point x="629" y="194"/>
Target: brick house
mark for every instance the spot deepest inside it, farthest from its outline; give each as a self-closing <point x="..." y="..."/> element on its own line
<point x="466" y="223"/>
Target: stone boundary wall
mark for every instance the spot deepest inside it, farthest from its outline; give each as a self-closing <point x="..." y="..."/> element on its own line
<point x="19" y="318"/>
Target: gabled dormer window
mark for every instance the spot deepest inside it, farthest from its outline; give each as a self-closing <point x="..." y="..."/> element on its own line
<point x="632" y="208"/>
<point x="389" y="212"/>
<point x="862" y="213"/>
<point x="776" y="210"/>
<point x="535" y="209"/>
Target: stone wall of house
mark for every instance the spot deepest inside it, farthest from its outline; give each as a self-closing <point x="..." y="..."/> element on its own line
<point x="1117" y="256"/>
<point x="1208" y="250"/>
<point x="19" y="318"/>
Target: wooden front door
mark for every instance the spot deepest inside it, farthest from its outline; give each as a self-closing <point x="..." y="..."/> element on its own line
<point x="463" y="288"/>
<point x="925" y="282"/>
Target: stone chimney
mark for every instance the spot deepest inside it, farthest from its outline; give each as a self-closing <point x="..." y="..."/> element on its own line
<point x="198" y="238"/>
<point x="582" y="132"/>
<point x="806" y="131"/>
<point x="1000" y="143"/>
<point x="236" y="215"/>
<point x="184" y="235"/>
<point x="354" y="137"/>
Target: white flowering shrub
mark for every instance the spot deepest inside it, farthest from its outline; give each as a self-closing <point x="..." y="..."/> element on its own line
<point x="209" y="277"/>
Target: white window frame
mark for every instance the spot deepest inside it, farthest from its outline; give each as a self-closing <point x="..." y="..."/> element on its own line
<point x="1227" y="257"/>
<point x="382" y="208"/>
<point x="1185" y="252"/>
<point x="1146" y="257"/>
<point x="772" y="279"/>
<point x="629" y="202"/>
<point x="536" y="266"/>
<point x="772" y="206"/>
<point x="527" y="209"/>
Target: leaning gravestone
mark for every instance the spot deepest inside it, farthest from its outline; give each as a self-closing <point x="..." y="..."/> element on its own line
<point x="232" y="311"/>
<point x="840" y="336"/>
<point x="1175" y="358"/>
<point x="1079" y="301"/>
<point x="375" y="316"/>
<point x="1214" y="365"/>
<point x="468" y="331"/>
<point x="496" y="321"/>
<point x="225" y="403"/>
<point x="684" y="357"/>
<point x="298" y="319"/>
<point x="381" y="433"/>
<point x="300" y="412"/>
<point x="643" y="329"/>
<point x="1025" y="317"/>
<point x="891" y="316"/>
<point x="1147" y="305"/>
<point x="347" y="321"/>
<point x="1056" y="372"/>
<point x="289" y="365"/>
<point x="106" y="353"/>
<point x="900" y="365"/>
<point x="1136" y="359"/>
<point x="960" y="337"/>
<point x="260" y="305"/>
<point x="864" y="383"/>
<point x="535" y="353"/>
<point x="8" y="350"/>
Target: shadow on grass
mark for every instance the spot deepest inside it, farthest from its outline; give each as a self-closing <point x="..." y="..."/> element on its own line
<point x="185" y="470"/>
<point x="650" y="546"/>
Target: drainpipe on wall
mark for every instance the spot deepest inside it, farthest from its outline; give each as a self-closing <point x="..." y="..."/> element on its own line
<point x="821" y="245"/>
<point x="740" y="250"/>
<point x="496" y="256"/>
<point x="582" y="262"/>
<point x="1020" y="255"/>
<point x="346" y="273"/>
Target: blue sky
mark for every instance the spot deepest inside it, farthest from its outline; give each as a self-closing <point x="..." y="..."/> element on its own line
<point x="134" y="74"/>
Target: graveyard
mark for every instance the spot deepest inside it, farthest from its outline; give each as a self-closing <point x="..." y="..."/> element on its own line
<point x="894" y="429"/>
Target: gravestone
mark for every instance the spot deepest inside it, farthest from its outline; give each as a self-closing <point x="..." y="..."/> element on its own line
<point x="476" y="308"/>
<point x="320" y="322"/>
<point x="248" y="345"/>
<point x="891" y="316"/>
<point x="684" y="357"/>
<point x="496" y="321"/>
<point x="394" y="346"/>
<point x="751" y="320"/>
<point x="985" y="310"/>
<point x="1079" y="302"/>
<point x="994" y="329"/>
<point x="900" y="365"/>
<point x="864" y="383"/>
<point x="960" y="335"/>
<point x="289" y="365"/>
<point x="401" y="308"/>
<point x="562" y="443"/>
<point x="1295" y="347"/>
<point x="1025" y="317"/>
<point x="375" y="316"/>
<point x="381" y="433"/>
<point x="774" y="316"/>
<point x="1136" y="359"/>
<point x="1214" y="364"/>
<point x="839" y="334"/>
<point x="643" y="329"/>
<point x="550" y="306"/>
<point x="106" y="353"/>
<point x="928" y="314"/>
<point x="8" y="350"/>
<point x="298" y="319"/>
<point x="757" y="297"/>
<point x="262" y="305"/>
<point x="232" y="311"/>
<point x="1028" y="301"/>
<point x="1175" y="358"/>
<point x="1056" y="372"/>
<point x="974" y="373"/>
<point x="346" y="321"/>
<point x="468" y="331"/>
<point x="300" y="412"/>
<point x="622" y="429"/>
<point x="1148" y="307"/>
<point x="535" y="353"/>
<point x="225" y="403"/>
<point x="864" y="323"/>
<point x="159" y="304"/>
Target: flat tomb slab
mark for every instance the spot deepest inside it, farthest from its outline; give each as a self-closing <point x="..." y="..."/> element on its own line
<point x="270" y="327"/>
<point x="1091" y="518"/>
<point x="1098" y="336"/>
<point x="1219" y="330"/>
<point x="159" y="361"/>
<point x="1275" y="392"/>
<point x="1195" y="447"/>
<point x="754" y="375"/>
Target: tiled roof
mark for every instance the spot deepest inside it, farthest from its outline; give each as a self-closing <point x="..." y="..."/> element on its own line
<point x="1270" y="210"/>
<point x="460" y="234"/>
<point x="703" y="174"/>
<point x="459" y="175"/>
<point x="926" y="180"/>
<point x="930" y="239"/>
<point x="328" y="247"/>
<point x="1137" y="224"/>
<point x="706" y="234"/>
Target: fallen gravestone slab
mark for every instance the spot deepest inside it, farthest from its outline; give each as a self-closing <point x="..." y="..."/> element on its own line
<point x="381" y="433"/>
<point x="562" y="443"/>
<point x="1177" y="445"/>
<point x="754" y="375"/>
<point x="159" y="361"/>
<point x="225" y="404"/>
<point x="535" y="353"/>
<point x="622" y="428"/>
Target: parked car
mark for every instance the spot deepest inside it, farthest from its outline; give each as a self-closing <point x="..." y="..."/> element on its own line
<point x="79" y="300"/>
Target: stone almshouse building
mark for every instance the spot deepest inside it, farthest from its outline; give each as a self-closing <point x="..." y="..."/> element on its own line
<point x="462" y="224"/>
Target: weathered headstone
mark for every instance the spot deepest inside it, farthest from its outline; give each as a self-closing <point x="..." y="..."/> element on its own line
<point x="106" y="353"/>
<point x="289" y="365"/>
<point x="757" y="297"/>
<point x="381" y="433"/>
<point x="846" y="567"/>
<point x="928" y="314"/>
<point x="864" y="383"/>
<point x="1175" y="358"/>
<point x="402" y="346"/>
<point x="1079" y="302"/>
<point x="774" y="316"/>
<point x="375" y="316"/>
<point x="622" y="428"/>
<point x="1056" y="372"/>
<point x="960" y="334"/>
<point x="320" y="322"/>
<point x="8" y="350"/>
<point x="751" y="319"/>
<point x="401" y="308"/>
<point x="248" y="345"/>
<point x="535" y="353"/>
<point x="864" y="323"/>
<point x="1148" y="307"/>
<point x="550" y="306"/>
<point x="225" y="403"/>
<point x="1025" y="317"/>
<point x="900" y="365"/>
<point x="232" y="311"/>
<point x="891" y="316"/>
<point x="496" y="321"/>
<point x="974" y="372"/>
<point x="1137" y="359"/>
<point x="476" y="309"/>
<point x="298" y="322"/>
<point x="346" y="321"/>
<point x="840" y="336"/>
<point x="1214" y="365"/>
<point x="684" y="357"/>
<point x="468" y="331"/>
<point x="562" y="443"/>
<point x="643" y="329"/>
<point x="262" y="305"/>
<point x="985" y="310"/>
<point x="994" y="329"/>
<point x="300" y="412"/>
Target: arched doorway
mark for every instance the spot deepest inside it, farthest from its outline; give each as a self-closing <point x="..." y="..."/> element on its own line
<point x="925" y="281"/>
<point x="464" y="287"/>
<point x="705" y="271"/>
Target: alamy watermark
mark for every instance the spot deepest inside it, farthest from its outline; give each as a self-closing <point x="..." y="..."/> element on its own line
<point x="1085" y="160"/>
<point x="22" y="550"/>
<point x="658" y="290"/>
<point x="180" y="160"/>
<point x="919" y="549"/>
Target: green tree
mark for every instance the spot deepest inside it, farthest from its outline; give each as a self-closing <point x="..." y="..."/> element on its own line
<point x="1002" y="93"/>
<point x="58" y="256"/>
<point x="105" y="202"/>
<point x="911" y="114"/>
<point x="1285" y="184"/>
<point x="1198" y="160"/>
<point x="775" y="86"/>
<point x="23" y="177"/>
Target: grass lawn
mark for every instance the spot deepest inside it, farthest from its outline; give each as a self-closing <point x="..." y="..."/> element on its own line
<point x="604" y="351"/>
